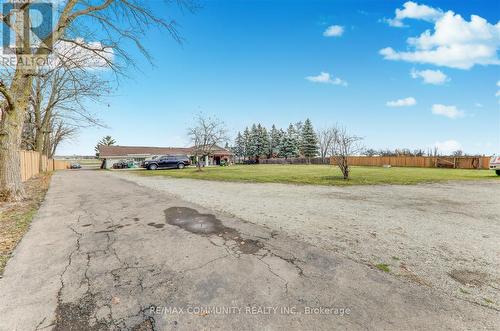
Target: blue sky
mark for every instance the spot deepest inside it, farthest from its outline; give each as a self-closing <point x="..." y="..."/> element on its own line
<point x="262" y="61"/>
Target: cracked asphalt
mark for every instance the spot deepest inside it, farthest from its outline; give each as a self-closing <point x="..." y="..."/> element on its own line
<point x="104" y="253"/>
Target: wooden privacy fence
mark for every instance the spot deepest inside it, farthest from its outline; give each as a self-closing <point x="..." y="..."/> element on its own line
<point x="30" y="164"/>
<point x="463" y="162"/>
<point x="296" y="160"/>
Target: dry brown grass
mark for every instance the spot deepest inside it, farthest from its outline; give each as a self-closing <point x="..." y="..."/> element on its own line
<point x="15" y="217"/>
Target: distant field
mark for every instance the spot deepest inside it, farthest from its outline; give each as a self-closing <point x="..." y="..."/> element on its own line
<point x="324" y="174"/>
<point x="86" y="163"/>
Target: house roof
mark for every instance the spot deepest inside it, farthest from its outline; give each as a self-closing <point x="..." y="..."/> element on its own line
<point x="130" y="151"/>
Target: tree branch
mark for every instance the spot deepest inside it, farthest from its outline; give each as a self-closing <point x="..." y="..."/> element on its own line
<point x="6" y="93"/>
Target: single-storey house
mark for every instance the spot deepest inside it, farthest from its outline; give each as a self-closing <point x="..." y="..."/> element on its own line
<point x="110" y="155"/>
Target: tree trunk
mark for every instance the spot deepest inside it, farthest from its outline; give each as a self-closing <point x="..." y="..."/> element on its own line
<point x="345" y="168"/>
<point x="40" y="139"/>
<point x="39" y="149"/>
<point x="11" y="127"/>
<point x="39" y="124"/>
<point x="11" y="124"/>
<point x="10" y="163"/>
<point x="198" y="163"/>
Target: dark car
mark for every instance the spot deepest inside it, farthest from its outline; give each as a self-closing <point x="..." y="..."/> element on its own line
<point x="167" y="162"/>
<point x="120" y="165"/>
<point x="75" y="166"/>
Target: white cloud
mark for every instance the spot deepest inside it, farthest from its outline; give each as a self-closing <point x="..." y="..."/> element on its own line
<point x="478" y="105"/>
<point x="415" y="11"/>
<point x="326" y="78"/>
<point x="435" y="77"/>
<point x="449" y="111"/>
<point x="454" y="43"/>
<point x="447" y="146"/>
<point x="334" y="31"/>
<point x="406" y="102"/>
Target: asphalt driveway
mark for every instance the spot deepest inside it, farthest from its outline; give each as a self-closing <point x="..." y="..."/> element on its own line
<point x="104" y="253"/>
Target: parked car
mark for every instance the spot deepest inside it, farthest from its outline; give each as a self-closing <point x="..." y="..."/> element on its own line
<point x="120" y="165"/>
<point x="75" y="165"/>
<point x="167" y="162"/>
<point x="495" y="164"/>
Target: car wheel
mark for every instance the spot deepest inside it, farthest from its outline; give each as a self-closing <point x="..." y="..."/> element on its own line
<point x="180" y="166"/>
<point x="152" y="167"/>
<point x="497" y="172"/>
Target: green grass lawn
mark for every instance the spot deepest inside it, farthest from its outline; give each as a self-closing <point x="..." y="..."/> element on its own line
<point x="323" y="174"/>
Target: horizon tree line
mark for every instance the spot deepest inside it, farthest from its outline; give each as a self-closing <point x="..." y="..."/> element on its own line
<point x="257" y="142"/>
<point x="299" y="140"/>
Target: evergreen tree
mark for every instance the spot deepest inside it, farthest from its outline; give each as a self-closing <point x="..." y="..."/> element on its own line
<point x="247" y="152"/>
<point x="281" y="140"/>
<point x="279" y="148"/>
<point x="289" y="144"/>
<point x="105" y="141"/>
<point x="262" y="141"/>
<point x="274" y="141"/>
<point x="309" y="141"/>
<point x="253" y="141"/>
<point x="298" y="137"/>
<point x="239" y="146"/>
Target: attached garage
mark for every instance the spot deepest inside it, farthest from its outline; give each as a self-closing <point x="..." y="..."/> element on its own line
<point x="109" y="155"/>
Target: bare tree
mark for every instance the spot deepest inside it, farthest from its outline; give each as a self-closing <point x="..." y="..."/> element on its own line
<point x="326" y="140"/>
<point x="345" y="145"/>
<point x="435" y="152"/>
<point x="109" y="24"/>
<point x="206" y="135"/>
<point x="57" y="108"/>
<point x="59" y="132"/>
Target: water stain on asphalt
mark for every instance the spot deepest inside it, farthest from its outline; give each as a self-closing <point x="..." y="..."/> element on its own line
<point x="104" y="231"/>
<point x="206" y="225"/>
<point x="156" y="225"/>
<point x="118" y="226"/>
<point x="191" y="220"/>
